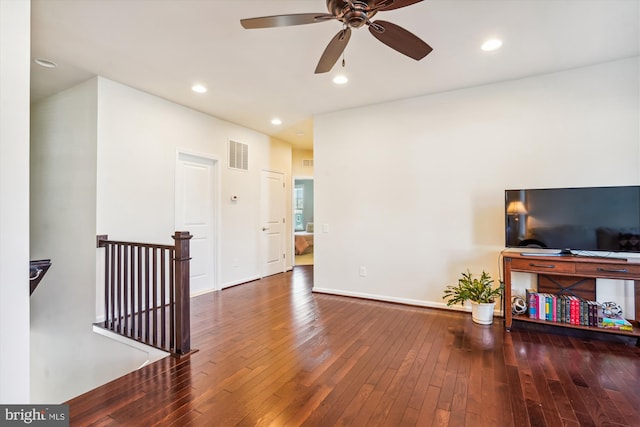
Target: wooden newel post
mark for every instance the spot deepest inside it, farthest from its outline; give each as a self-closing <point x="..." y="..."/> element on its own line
<point x="183" y="312"/>
<point x="100" y="240"/>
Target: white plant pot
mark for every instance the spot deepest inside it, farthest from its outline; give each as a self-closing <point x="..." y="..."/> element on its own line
<point x="482" y="313"/>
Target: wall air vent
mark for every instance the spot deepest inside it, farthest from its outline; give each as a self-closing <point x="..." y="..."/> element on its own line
<point x="238" y="155"/>
<point x="307" y="163"/>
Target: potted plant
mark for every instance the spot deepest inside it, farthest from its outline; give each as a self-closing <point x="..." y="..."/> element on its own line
<point x="479" y="291"/>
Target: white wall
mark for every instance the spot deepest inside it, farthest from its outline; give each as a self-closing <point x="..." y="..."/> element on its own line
<point x="426" y="200"/>
<point x="15" y="33"/>
<point x="138" y="138"/>
<point x="67" y="358"/>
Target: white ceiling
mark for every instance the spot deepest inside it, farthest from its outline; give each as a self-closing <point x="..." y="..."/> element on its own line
<point x="165" y="46"/>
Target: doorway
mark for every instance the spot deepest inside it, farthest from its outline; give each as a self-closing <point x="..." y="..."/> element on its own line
<point x="303" y="221"/>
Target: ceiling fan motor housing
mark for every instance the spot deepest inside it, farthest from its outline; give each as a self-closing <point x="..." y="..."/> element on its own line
<point x="354" y="14"/>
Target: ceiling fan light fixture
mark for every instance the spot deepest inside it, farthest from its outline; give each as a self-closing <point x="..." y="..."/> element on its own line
<point x="491" y="45"/>
<point x="340" y="79"/>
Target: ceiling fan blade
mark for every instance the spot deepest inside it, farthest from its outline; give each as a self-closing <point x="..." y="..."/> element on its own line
<point x="394" y="4"/>
<point x="400" y="39"/>
<point x="285" y="20"/>
<point x="333" y="51"/>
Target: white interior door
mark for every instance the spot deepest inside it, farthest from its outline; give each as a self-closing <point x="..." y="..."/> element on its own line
<point x="195" y="212"/>
<point x="273" y="214"/>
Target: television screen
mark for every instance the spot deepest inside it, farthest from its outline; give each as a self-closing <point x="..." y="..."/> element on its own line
<point x="574" y="219"/>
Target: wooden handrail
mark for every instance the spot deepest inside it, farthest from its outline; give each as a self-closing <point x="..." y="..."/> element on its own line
<point x="146" y="291"/>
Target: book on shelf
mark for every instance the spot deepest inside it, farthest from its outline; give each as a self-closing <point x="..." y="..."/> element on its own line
<point x="616" y="323"/>
<point x="532" y="303"/>
<point x="575" y="310"/>
<point x="571" y="310"/>
<point x="599" y="314"/>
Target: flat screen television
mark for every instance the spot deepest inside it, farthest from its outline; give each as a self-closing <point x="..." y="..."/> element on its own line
<point x="574" y="220"/>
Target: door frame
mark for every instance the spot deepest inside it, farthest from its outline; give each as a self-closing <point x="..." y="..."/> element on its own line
<point x="215" y="224"/>
<point x="292" y="225"/>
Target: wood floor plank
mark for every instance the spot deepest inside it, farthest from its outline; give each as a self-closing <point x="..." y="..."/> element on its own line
<point x="449" y="380"/>
<point x="475" y="401"/>
<point x="519" y="414"/>
<point x="297" y="417"/>
<point x="424" y="380"/>
<point x="273" y="353"/>
<point x="498" y="411"/>
<point x="561" y="401"/>
<point x="393" y="397"/>
<point x="403" y="362"/>
<point x="546" y="399"/>
<point x="621" y="401"/>
<point x="441" y="418"/>
<point x="351" y="412"/>
<point x="427" y="414"/>
<point x="342" y="394"/>
<point x="399" y="413"/>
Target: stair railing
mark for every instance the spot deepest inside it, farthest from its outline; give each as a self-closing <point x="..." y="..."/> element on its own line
<point x="146" y="292"/>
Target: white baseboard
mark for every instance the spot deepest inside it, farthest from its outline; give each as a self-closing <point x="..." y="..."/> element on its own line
<point x="241" y="281"/>
<point x="405" y="301"/>
<point x="196" y="294"/>
<point x="153" y="354"/>
<point x="384" y="298"/>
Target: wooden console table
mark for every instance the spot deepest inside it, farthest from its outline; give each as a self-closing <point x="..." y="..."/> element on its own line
<point x="572" y="268"/>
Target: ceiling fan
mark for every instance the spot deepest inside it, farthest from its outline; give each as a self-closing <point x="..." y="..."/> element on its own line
<point x="352" y="14"/>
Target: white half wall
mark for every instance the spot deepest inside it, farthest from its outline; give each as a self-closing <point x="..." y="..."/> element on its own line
<point x="415" y="195"/>
<point x="67" y="357"/>
<point x="15" y="39"/>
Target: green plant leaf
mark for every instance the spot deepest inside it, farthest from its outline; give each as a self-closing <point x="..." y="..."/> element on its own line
<point x="474" y="289"/>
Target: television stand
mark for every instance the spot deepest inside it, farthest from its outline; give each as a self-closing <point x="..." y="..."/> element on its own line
<point x="578" y="268"/>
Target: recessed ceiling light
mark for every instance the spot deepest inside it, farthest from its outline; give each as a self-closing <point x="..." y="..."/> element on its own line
<point x="199" y="89"/>
<point x="340" y="79"/>
<point x="491" y="44"/>
<point x="276" y="121"/>
<point x="45" y="63"/>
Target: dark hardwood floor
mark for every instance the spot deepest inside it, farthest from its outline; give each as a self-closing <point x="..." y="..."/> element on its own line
<point x="273" y="353"/>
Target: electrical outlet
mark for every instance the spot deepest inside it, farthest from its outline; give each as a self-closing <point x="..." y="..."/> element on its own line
<point x="363" y="271"/>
